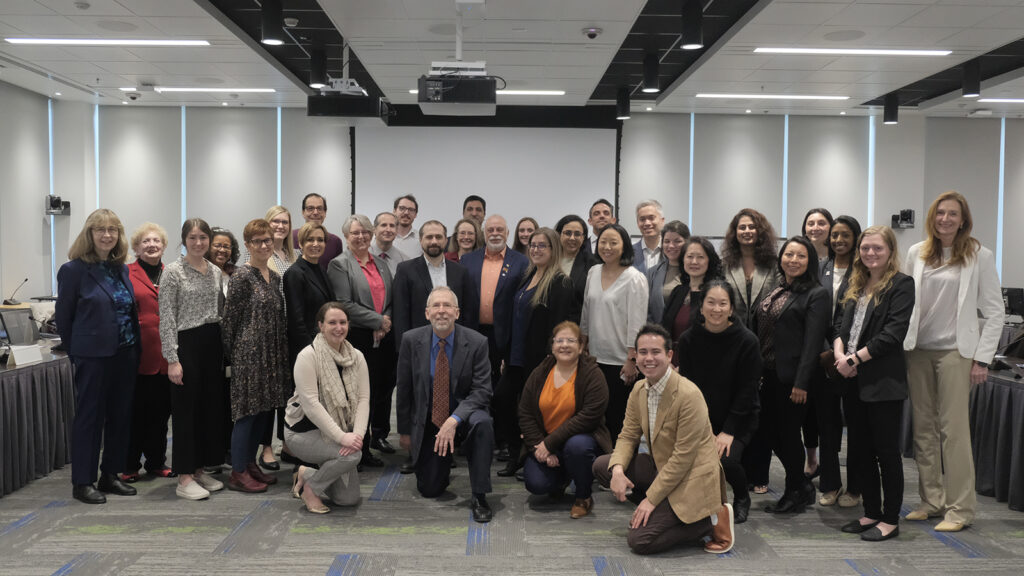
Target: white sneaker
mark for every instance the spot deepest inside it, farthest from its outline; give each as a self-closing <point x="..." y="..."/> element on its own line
<point x="192" y="491"/>
<point x="209" y="483"/>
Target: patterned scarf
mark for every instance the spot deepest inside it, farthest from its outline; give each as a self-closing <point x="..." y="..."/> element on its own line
<point x="336" y="388"/>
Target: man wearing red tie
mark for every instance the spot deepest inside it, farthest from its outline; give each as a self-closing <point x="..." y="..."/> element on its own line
<point x="444" y="389"/>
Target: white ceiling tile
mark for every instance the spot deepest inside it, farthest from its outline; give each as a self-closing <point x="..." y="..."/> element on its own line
<point x="706" y="74"/>
<point x="1009" y="18"/>
<point x="102" y="53"/>
<point x="36" y="53"/>
<point x="117" y="27"/>
<point x="940" y="16"/>
<point x="190" y="27"/>
<point x="131" y="68"/>
<point x="24" y="8"/>
<point x="192" y="68"/>
<point x="148" y="8"/>
<point x="798" y="62"/>
<point x="539" y="9"/>
<point x="96" y="8"/>
<point x="981" y="39"/>
<point x="72" y="67"/>
<point x="45" y="25"/>
<point x="874" y="14"/>
<point x="770" y="35"/>
<point x="606" y="10"/>
<point x="255" y="68"/>
<point x="108" y="80"/>
<point x="776" y="75"/>
<point x="805" y="14"/>
<point x="915" y="37"/>
<point x="834" y="76"/>
<point x="819" y="36"/>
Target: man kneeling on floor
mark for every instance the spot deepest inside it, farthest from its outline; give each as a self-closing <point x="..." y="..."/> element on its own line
<point x="679" y="487"/>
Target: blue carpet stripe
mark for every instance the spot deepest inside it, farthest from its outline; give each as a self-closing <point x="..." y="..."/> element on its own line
<point x="963" y="548"/>
<point x="387" y="486"/>
<point x="229" y="542"/>
<point x="30" y="517"/>
<point x="345" y="565"/>
<point x="478" y="538"/>
<point x="605" y="567"/>
<point x="859" y="570"/>
<point x="76" y="562"/>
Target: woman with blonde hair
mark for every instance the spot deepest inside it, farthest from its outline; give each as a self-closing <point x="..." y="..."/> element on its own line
<point x="98" y="322"/>
<point x="467" y="237"/>
<point x="953" y="335"/>
<point x="868" y="351"/>
<point x="283" y="256"/>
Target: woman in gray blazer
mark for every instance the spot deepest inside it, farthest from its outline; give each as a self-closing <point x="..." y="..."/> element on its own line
<point x="748" y="261"/>
<point x="364" y="290"/>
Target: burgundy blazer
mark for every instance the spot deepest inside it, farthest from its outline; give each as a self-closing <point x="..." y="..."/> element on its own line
<point x="151" y="361"/>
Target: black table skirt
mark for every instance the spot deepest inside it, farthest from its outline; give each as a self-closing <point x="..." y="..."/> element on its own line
<point x="997" y="437"/>
<point x="37" y="406"/>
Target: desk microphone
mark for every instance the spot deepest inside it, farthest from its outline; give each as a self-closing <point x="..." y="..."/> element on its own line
<point x="11" y="301"/>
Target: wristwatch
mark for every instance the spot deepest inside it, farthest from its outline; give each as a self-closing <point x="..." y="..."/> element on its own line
<point x="982" y="364"/>
<point x="850" y="362"/>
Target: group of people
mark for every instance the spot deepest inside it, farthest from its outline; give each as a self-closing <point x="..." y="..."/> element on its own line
<point x="531" y="353"/>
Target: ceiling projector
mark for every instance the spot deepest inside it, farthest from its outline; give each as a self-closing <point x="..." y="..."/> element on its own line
<point x="457" y="89"/>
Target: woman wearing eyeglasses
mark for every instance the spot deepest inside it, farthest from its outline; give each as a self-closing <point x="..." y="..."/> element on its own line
<point x="364" y="289"/>
<point x="575" y="262"/>
<point x="561" y="414"/>
<point x="544" y="299"/>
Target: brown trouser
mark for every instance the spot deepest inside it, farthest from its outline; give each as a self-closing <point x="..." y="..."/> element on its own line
<point x="664" y="529"/>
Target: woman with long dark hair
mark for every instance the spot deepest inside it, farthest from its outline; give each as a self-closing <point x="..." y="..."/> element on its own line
<point x="749" y="261"/>
<point x="575" y="262"/>
<point x="700" y="265"/>
<point x="524" y="229"/>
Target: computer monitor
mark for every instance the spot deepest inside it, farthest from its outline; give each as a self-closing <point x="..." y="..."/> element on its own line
<point x="18" y="326"/>
<point x="1013" y="300"/>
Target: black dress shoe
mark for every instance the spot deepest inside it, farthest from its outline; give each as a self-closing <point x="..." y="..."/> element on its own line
<point x="509" y="469"/>
<point x="502" y="455"/>
<point x="521" y="475"/>
<point x="407" y="467"/>
<point x="111" y="484"/>
<point x="875" y="534"/>
<point x="88" y="493"/>
<point x="382" y="445"/>
<point x="371" y="461"/>
<point x="741" y="507"/>
<point x="481" y="510"/>
<point x="791" y="502"/>
<point x="272" y="465"/>
<point x="810" y="495"/>
<point x="855" y="527"/>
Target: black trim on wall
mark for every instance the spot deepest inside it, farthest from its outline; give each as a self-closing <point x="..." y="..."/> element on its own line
<point x="618" y="164"/>
<point x="512" y="117"/>
<point x="352" y="160"/>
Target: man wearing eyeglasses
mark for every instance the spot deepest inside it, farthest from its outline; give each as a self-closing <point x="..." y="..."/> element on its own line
<point x="314" y="209"/>
<point x="406" y="207"/>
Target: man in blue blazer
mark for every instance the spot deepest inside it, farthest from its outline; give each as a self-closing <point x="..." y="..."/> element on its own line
<point x="444" y="388"/>
<point x="647" y="251"/>
<point x="496" y="272"/>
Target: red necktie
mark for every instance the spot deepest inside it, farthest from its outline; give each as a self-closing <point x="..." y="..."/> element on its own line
<point x="442" y="389"/>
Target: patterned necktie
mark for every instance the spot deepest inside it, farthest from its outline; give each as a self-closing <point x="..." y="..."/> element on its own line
<point x="440" y="411"/>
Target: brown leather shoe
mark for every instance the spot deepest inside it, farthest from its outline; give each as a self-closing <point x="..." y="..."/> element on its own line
<point x="581" y="507"/>
<point x="245" y="483"/>
<point x="723" y="534"/>
<point x="259" y="475"/>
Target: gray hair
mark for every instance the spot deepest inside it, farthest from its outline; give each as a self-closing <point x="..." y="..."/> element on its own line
<point x="653" y="204"/>
<point x="363" y="221"/>
<point x="442" y="289"/>
<point x="376" y="219"/>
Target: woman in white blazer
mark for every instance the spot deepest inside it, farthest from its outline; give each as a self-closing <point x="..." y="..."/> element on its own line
<point x="953" y="334"/>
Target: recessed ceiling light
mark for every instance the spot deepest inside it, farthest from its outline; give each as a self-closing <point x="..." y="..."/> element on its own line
<point x="104" y="42"/>
<point x="519" y="92"/>
<point x="649" y="108"/>
<point x="773" y="97"/>
<point x="186" y="89"/>
<point x="748" y="110"/>
<point x="57" y="94"/>
<point x="1002" y="100"/>
<point x="852" y="52"/>
<point x="124" y="101"/>
<point x="223" y="103"/>
<point x="843" y="113"/>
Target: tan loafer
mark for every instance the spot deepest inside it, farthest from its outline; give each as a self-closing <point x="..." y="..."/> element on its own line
<point x="829" y="498"/>
<point x="847" y="500"/>
<point x="920" y="514"/>
<point x="581" y="507"/>
<point x="947" y="526"/>
<point x="723" y="534"/>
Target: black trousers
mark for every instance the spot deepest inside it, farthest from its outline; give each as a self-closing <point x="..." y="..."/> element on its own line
<point x="151" y="407"/>
<point x="732" y="465"/>
<point x="197" y="405"/>
<point x="810" y="427"/>
<point x="505" y="408"/>
<point x="781" y="420"/>
<point x="433" y="472"/>
<point x="874" y="427"/>
<point x="618" y="396"/>
<point x="380" y="361"/>
<point x="828" y="401"/>
<point x="103" y="414"/>
<point x="757" y="455"/>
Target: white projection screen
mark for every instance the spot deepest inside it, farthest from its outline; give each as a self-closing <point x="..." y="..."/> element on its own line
<point x="545" y="173"/>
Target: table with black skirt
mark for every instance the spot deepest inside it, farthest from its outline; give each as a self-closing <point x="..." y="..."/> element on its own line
<point x="997" y="436"/>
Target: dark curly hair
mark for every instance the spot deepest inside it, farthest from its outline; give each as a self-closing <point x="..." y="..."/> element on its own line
<point x="764" y="248"/>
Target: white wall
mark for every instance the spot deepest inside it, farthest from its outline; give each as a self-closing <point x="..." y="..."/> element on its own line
<point x="646" y="171"/>
<point x="1013" y="208"/>
<point x="315" y="157"/>
<point x="899" y="175"/>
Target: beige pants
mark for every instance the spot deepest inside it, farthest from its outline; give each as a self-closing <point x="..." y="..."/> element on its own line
<point x="940" y="391"/>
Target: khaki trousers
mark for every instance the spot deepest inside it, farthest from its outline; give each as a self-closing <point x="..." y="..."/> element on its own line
<point x="940" y="391"/>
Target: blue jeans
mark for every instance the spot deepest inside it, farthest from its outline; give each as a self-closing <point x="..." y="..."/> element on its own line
<point x="576" y="460"/>
<point x="245" y="437"/>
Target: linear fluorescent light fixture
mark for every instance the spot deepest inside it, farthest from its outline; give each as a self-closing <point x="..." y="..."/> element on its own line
<point x="519" y="92"/>
<point x="232" y="90"/>
<point x="104" y="42"/>
<point x="1002" y="100"/>
<point x="852" y="52"/>
<point x="773" y="97"/>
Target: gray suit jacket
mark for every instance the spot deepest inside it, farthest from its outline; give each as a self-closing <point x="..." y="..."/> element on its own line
<point x="353" y="291"/>
<point x="764" y="281"/>
<point x="470" y="380"/>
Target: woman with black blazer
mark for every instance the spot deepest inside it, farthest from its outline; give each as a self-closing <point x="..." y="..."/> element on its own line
<point x="700" y="265"/>
<point x="575" y="261"/>
<point x="364" y="289"/>
<point x="791" y="323"/>
<point x="306" y="289"/>
<point x="869" y="351"/>
<point x="543" y="300"/>
<point x="97" y="318"/>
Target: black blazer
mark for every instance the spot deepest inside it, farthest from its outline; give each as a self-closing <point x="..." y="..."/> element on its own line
<point x="561" y="306"/>
<point x="306" y="289"/>
<point x="580" y="266"/>
<point x="675" y="302"/>
<point x="799" y="332"/>
<point x="884" y="377"/>
<point x="411" y="287"/>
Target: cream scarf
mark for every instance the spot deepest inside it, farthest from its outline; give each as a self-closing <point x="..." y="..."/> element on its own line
<point x="337" y="390"/>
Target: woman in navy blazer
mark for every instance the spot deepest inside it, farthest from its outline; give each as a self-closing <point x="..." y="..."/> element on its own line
<point x="98" y="322"/>
<point x="869" y="350"/>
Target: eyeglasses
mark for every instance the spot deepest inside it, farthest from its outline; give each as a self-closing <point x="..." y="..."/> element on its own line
<point x="539" y="246"/>
<point x="314" y="209"/>
<point x="406" y="209"/>
<point x="561" y="341"/>
<point x="360" y="233"/>
<point x="572" y="234"/>
<point x="221" y="246"/>
<point x="112" y="230"/>
<point x="258" y="242"/>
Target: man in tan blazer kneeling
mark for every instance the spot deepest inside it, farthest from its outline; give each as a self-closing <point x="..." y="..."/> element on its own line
<point x="679" y="487"/>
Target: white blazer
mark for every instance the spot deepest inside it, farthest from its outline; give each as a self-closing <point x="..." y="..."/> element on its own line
<point x="979" y="315"/>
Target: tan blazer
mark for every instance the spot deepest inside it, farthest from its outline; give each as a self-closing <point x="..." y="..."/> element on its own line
<point x="682" y="445"/>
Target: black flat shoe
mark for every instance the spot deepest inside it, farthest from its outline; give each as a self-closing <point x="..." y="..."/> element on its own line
<point x="382" y="445"/>
<point x="88" y="494"/>
<point x="741" y="508"/>
<point x="791" y="502"/>
<point x="855" y="527"/>
<point x="502" y="455"/>
<point x="875" y="535"/>
<point x="407" y="467"/>
<point x="369" y="460"/>
<point x="111" y="484"/>
<point x="509" y="469"/>
<point x="482" y="512"/>
<point x="272" y="465"/>
<point x="814" y="474"/>
<point x="521" y="475"/>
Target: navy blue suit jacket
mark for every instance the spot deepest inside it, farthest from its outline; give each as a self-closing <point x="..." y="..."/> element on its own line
<point x="85" y="315"/>
<point x="512" y="271"/>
